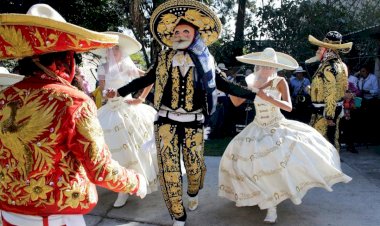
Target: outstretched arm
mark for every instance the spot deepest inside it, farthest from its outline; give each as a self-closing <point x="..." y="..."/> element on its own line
<point x="138" y="83"/>
<point x="224" y="85"/>
<point x="143" y="95"/>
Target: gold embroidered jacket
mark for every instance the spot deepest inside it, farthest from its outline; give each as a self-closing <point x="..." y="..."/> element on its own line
<point x="329" y="84"/>
<point x="159" y="74"/>
<point x="52" y="151"/>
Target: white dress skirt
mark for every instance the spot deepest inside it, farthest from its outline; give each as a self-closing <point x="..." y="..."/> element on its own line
<point x="126" y="128"/>
<point x="274" y="159"/>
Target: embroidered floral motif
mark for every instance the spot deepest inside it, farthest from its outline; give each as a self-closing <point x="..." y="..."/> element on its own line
<point x="38" y="189"/>
<point x="190" y="90"/>
<point x="175" y="88"/>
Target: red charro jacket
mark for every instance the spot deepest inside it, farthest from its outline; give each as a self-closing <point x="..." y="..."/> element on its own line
<point x="52" y="151"/>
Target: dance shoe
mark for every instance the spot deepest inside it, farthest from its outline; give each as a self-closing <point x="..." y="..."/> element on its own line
<point x="121" y="200"/>
<point x="179" y="223"/>
<point x="271" y="217"/>
<point x="193" y="203"/>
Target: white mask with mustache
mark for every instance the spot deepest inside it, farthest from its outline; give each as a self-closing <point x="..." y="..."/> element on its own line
<point x="181" y="44"/>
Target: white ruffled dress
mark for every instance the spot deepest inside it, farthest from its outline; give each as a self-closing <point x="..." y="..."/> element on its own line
<point x="126" y="128"/>
<point x="274" y="159"/>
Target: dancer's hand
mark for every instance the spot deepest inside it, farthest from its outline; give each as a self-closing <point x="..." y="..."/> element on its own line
<point x="330" y="122"/>
<point x="263" y="95"/>
<point x="141" y="192"/>
<point x="110" y="93"/>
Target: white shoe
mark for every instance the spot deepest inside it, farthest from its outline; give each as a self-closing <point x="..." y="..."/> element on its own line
<point x="271" y="217"/>
<point x="121" y="200"/>
<point x="179" y="223"/>
<point x="193" y="203"/>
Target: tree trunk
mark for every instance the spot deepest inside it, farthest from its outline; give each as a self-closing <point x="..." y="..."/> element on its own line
<point x="239" y="30"/>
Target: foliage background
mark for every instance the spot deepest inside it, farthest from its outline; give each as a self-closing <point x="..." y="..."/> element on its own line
<point x="281" y="24"/>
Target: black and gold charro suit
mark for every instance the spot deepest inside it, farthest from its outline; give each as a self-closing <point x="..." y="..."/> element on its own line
<point x="173" y="91"/>
<point x="328" y="87"/>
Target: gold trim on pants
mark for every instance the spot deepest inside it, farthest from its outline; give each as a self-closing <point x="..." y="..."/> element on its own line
<point x="171" y="137"/>
<point x="319" y="123"/>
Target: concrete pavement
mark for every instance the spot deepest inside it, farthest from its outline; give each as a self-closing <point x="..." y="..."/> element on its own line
<point x="354" y="204"/>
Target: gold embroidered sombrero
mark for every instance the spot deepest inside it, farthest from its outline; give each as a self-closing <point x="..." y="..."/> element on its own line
<point x="43" y="30"/>
<point x="270" y="58"/>
<point x="167" y="15"/>
<point x="332" y="40"/>
<point x="128" y="44"/>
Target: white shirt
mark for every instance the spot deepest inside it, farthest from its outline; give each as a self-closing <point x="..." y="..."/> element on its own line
<point x="369" y="84"/>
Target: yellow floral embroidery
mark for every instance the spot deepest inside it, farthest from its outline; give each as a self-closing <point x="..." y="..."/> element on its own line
<point x="175" y="88"/>
<point x="164" y="63"/>
<point x="74" y="196"/>
<point x="190" y="90"/>
<point x="38" y="189"/>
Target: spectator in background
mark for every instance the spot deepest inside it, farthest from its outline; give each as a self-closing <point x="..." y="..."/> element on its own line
<point x="367" y="114"/>
<point x="300" y="98"/>
<point x="368" y="84"/>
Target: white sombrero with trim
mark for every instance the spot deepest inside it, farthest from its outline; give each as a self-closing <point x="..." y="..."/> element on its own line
<point x="270" y="58"/>
<point x="8" y="79"/>
<point x="128" y="44"/>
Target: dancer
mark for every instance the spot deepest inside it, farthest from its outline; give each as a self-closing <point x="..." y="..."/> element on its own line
<point x="52" y="147"/>
<point x="185" y="88"/>
<point x="328" y="85"/>
<point x="274" y="159"/>
<point x="127" y="123"/>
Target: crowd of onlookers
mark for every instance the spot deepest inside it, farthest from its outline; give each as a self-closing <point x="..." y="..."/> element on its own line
<point x="359" y="120"/>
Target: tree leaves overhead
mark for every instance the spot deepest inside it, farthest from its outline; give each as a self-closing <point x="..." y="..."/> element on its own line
<point x="284" y="28"/>
<point x="98" y="15"/>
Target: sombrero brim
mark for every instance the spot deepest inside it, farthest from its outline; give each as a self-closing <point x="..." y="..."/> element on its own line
<point x="167" y="15"/>
<point x="128" y="44"/>
<point x="10" y="79"/>
<point x="284" y="61"/>
<point x="344" y="46"/>
<point x="24" y="35"/>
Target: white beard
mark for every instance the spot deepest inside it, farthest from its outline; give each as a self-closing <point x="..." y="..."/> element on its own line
<point x="181" y="44"/>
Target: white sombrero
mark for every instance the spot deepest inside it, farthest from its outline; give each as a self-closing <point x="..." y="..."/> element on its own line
<point x="128" y="44"/>
<point x="8" y="79"/>
<point x="299" y="70"/>
<point x="270" y="58"/>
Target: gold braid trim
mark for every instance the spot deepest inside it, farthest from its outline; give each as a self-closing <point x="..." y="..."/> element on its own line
<point x="175" y="88"/>
<point x="190" y="90"/>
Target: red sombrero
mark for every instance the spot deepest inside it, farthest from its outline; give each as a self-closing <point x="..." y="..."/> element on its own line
<point x="43" y="30"/>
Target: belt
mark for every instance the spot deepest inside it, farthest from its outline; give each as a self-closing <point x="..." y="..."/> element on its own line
<point x="181" y="117"/>
<point x="338" y="104"/>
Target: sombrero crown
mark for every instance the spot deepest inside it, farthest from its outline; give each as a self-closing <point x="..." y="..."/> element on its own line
<point x="270" y="58"/>
<point x="332" y="40"/>
<point x="43" y="30"/>
<point x="128" y="44"/>
<point x="167" y="15"/>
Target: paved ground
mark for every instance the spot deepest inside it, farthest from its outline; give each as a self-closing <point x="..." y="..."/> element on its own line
<point x="354" y="204"/>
